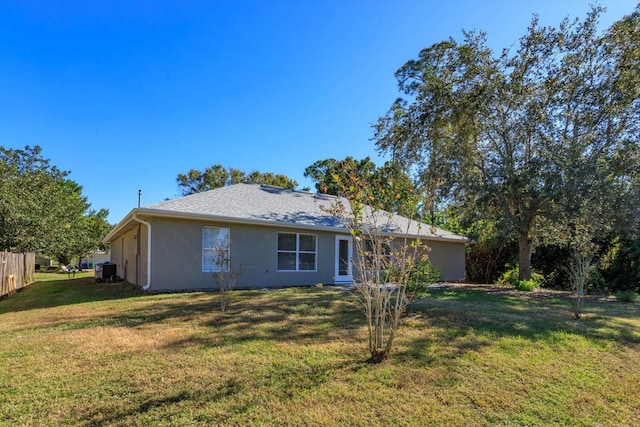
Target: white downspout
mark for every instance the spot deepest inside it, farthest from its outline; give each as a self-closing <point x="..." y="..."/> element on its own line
<point x="135" y="218"/>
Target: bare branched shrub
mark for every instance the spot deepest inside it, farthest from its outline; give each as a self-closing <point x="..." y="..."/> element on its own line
<point x="384" y="258"/>
<point x="580" y="269"/>
<point x="581" y="265"/>
<point x="226" y="281"/>
<point x="225" y="275"/>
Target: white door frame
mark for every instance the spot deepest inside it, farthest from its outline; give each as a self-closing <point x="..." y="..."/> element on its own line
<point x="344" y="278"/>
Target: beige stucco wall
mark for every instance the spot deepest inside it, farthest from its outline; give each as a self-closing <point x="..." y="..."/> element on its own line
<point x="124" y="253"/>
<point x="177" y="256"/>
<point x="176" y="250"/>
<point x="448" y="257"/>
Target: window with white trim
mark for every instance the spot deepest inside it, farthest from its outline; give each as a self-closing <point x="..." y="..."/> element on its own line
<point x="374" y="249"/>
<point x="216" y="249"/>
<point x="297" y="252"/>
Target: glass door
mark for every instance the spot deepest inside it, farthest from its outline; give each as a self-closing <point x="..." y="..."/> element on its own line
<point x="344" y="253"/>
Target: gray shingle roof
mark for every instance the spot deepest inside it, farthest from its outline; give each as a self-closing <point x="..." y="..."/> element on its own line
<point x="263" y="204"/>
<point x="254" y="203"/>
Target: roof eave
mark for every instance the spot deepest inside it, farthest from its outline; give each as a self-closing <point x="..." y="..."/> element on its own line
<point x="161" y="213"/>
<point x="119" y="226"/>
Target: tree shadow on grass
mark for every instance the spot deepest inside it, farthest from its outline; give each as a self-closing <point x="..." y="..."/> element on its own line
<point x="108" y="415"/>
<point x="226" y="389"/>
<point x="299" y="315"/>
<point x="55" y="293"/>
<point x="465" y="322"/>
<point x="284" y="380"/>
<point x="469" y="319"/>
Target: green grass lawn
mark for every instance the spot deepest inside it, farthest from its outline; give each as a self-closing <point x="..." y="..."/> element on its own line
<point x="73" y="352"/>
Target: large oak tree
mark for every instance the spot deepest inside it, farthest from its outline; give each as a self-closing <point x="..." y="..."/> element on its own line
<point x="524" y="134"/>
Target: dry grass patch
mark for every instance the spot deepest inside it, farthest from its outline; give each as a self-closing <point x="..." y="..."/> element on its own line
<point x="77" y="353"/>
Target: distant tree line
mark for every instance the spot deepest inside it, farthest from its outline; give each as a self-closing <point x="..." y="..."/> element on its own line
<point x="216" y="176"/>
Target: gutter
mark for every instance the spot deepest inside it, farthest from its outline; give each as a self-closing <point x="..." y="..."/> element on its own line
<point x="135" y="218"/>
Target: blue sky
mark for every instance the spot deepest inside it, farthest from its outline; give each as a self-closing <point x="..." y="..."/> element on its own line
<point x="127" y="94"/>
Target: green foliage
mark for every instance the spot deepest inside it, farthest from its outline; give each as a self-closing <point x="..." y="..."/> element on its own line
<point x="43" y="211"/>
<point x="387" y="187"/>
<point x="627" y="296"/>
<point x="485" y="260"/>
<point x="216" y="176"/>
<point x="527" y="285"/>
<point x="489" y="249"/>
<point x="539" y="132"/>
<point x="551" y="261"/>
<point x="511" y="277"/>
<point x="323" y="172"/>
<point x="623" y="271"/>
<point x="418" y="278"/>
<point x="421" y="276"/>
<point x="85" y="236"/>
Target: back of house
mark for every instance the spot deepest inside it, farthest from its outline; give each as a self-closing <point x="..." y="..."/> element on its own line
<point x="270" y="236"/>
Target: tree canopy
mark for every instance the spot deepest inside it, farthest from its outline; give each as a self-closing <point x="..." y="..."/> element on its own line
<point x="526" y="137"/>
<point x="387" y="187"/>
<point x="216" y="176"/>
<point x="43" y="211"/>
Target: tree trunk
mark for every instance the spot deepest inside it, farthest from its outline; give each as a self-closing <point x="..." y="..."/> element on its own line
<point x="524" y="253"/>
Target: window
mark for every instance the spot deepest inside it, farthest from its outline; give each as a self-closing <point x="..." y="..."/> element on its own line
<point x="216" y="244"/>
<point x="297" y="252"/>
<point x="377" y="254"/>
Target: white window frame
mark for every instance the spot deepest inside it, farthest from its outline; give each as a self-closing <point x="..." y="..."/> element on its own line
<point x="297" y="251"/>
<point x="208" y="252"/>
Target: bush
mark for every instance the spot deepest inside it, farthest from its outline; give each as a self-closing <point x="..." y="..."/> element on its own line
<point x="527" y="285"/>
<point x="423" y="275"/>
<point x="627" y="296"/>
<point x="485" y="260"/>
<point x="510" y="277"/>
<point x="550" y="260"/>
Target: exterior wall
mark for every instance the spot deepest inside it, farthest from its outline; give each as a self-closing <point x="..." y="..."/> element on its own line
<point x="96" y="258"/>
<point x="449" y="257"/>
<point x="124" y="253"/>
<point x="177" y="256"/>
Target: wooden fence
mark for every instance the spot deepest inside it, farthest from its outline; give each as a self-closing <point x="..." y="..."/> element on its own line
<point x="16" y="271"/>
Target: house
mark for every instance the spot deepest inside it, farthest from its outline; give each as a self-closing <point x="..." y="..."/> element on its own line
<point x="93" y="258"/>
<point x="279" y="237"/>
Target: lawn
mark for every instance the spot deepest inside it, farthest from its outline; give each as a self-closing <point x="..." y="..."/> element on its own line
<point x="74" y="352"/>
